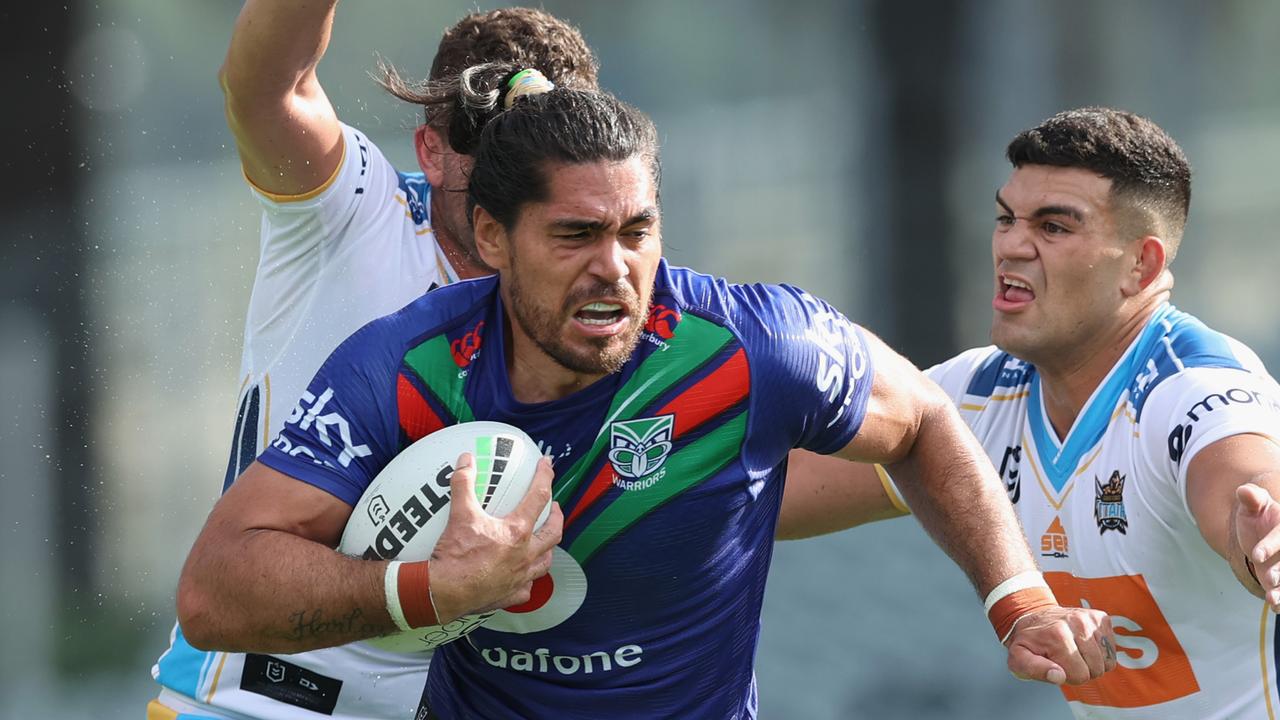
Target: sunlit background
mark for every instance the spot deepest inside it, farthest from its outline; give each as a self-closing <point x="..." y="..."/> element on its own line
<point x="849" y="147"/>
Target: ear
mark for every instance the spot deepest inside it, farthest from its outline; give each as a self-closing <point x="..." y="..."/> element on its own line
<point x="1149" y="264"/>
<point x="430" y="147"/>
<point x="491" y="239"/>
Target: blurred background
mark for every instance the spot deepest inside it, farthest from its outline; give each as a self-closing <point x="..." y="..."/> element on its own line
<point x="852" y="147"/>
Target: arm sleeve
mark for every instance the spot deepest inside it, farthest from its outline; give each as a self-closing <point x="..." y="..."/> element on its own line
<point x="1198" y="407"/>
<point x="343" y="430"/>
<point x="810" y="372"/>
<point x="353" y="195"/>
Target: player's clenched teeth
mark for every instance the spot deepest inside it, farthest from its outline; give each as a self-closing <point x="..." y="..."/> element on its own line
<point x="599" y="313"/>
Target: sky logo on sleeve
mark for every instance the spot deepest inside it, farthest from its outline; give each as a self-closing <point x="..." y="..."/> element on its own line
<point x="327" y="426"/>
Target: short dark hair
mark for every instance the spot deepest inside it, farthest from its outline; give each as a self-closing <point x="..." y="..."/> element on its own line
<point x="522" y="36"/>
<point x="1148" y="171"/>
<point x="515" y="147"/>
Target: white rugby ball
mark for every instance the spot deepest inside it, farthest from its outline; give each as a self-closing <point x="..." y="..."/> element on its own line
<point x="405" y="509"/>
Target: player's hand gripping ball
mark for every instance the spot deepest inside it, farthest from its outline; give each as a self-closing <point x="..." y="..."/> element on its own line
<point x="405" y="509"/>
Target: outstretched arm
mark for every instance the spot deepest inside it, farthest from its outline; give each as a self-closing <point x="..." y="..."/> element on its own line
<point x="263" y="575"/>
<point x="1232" y="486"/>
<point x="944" y="474"/>
<point x="287" y="133"/>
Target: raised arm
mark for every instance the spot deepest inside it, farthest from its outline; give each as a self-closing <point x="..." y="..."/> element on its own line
<point x="913" y="428"/>
<point x="286" y="131"/>
<point x="263" y="575"/>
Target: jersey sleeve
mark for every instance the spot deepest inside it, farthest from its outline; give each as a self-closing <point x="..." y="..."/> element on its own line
<point x="810" y="370"/>
<point x="955" y="376"/>
<point x="353" y="196"/>
<point x="343" y="430"/>
<point x="1199" y="406"/>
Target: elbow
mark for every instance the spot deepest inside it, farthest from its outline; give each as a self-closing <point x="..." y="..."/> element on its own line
<point x="195" y="615"/>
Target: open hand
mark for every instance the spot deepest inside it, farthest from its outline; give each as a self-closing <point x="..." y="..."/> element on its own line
<point x="1257" y="527"/>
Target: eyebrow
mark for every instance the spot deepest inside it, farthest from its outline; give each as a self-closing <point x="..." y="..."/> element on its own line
<point x="1040" y="212"/>
<point x="646" y="215"/>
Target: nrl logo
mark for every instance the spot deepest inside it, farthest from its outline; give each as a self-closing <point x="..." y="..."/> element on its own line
<point x="1108" y="507"/>
<point x="638" y="449"/>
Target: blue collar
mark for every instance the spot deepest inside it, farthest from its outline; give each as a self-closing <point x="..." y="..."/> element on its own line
<point x="1060" y="462"/>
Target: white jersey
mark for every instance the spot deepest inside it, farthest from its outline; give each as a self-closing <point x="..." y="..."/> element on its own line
<point x="1105" y="513"/>
<point x="357" y="248"/>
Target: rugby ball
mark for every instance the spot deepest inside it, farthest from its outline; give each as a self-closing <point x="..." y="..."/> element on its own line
<point x="405" y="509"/>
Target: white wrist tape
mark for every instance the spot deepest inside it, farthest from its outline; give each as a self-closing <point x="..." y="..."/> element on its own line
<point x="1021" y="581"/>
<point x="391" y="586"/>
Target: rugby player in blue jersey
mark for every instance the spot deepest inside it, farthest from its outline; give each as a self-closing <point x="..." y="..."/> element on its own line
<point x="670" y="400"/>
<point x="345" y="237"/>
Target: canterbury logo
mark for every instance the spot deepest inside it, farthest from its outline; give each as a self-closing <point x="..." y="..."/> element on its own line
<point x="465" y="348"/>
<point x="662" y="321"/>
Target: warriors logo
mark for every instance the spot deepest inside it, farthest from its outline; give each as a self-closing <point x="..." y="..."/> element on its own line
<point x="1108" y="507"/>
<point x="638" y="449"/>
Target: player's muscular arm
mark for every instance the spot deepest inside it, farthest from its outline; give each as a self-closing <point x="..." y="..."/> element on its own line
<point x="913" y="428"/>
<point x="951" y="487"/>
<point x="263" y="575"/>
<point x="1232" y="486"/>
<point x="288" y="136"/>
<point x="826" y="494"/>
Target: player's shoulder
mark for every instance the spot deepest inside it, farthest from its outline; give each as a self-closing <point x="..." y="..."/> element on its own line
<point x="982" y="373"/>
<point x="1177" y="348"/>
<point x="441" y="312"/>
<point x="741" y="307"/>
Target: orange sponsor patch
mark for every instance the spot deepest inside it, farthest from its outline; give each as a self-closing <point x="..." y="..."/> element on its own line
<point x="1053" y="543"/>
<point x="1151" y="667"/>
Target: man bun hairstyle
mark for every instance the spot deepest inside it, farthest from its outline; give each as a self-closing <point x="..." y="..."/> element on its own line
<point x="514" y="148"/>
<point x="1150" y="176"/>
<point x="520" y="36"/>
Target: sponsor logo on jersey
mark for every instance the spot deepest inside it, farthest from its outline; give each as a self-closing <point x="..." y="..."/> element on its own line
<point x="1181" y="435"/>
<point x="638" y="449"/>
<point x="466" y="348"/>
<point x="1108" y="505"/>
<point x="1151" y="666"/>
<point x="836" y="340"/>
<point x="555" y="597"/>
<point x="1053" y="543"/>
<point x="1009" y="472"/>
<point x="660" y="326"/>
<point x="331" y="428"/>
<point x="542" y="661"/>
<point x="1013" y="373"/>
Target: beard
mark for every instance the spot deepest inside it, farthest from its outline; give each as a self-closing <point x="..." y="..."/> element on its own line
<point x="603" y="355"/>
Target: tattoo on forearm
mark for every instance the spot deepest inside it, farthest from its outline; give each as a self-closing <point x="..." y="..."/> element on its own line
<point x="311" y="624"/>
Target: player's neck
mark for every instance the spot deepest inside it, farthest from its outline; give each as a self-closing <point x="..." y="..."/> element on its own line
<point x="1066" y="385"/>
<point x="461" y="258"/>
<point x="535" y="376"/>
